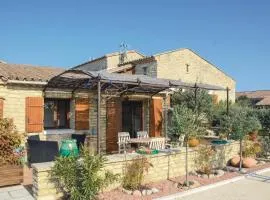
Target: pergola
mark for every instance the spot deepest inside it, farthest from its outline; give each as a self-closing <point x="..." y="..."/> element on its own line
<point x="116" y="85"/>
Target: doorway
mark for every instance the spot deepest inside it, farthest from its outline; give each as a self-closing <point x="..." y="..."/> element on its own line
<point x="132" y="119"/>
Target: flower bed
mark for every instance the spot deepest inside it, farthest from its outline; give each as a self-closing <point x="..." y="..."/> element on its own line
<point x="169" y="187"/>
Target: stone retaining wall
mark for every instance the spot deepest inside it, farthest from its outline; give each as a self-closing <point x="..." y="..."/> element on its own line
<point x="165" y="166"/>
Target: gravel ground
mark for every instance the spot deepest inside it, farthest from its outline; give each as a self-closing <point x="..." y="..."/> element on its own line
<point x="167" y="187"/>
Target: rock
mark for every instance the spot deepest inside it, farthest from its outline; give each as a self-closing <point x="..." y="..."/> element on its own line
<point x="243" y="171"/>
<point x="261" y="162"/>
<point x="129" y="192"/>
<point x="204" y="176"/>
<point x="235" y="161"/>
<point x="211" y="175"/>
<point x="195" y="184"/>
<point x="231" y="169"/>
<point x="219" y="172"/>
<point x="193" y="173"/>
<point x="137" y="193"/>
<point x="144" y="192"/>
<point x="175" y="185"/>
<point x="148" y="192"/>
<point x="249" y="162"/>
<point x="155" y="190"/>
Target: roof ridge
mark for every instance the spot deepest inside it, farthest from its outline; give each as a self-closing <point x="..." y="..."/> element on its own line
<point x="105" y="56"/>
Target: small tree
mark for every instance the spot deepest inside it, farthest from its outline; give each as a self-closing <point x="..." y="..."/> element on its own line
<point x="242" y="124"/>
<point x="188" y="123"/>
<point x="135" y="172"/>
<point x="202" y="103"/>
<point x="81" y="178"/>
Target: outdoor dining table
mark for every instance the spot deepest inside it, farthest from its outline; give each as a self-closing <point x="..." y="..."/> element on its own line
<point x="143" y="140"/>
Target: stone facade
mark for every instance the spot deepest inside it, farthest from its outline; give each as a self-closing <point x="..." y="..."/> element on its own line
<point x="14" y="102"/>
<point x="174" y="64"/>
<point x="14" y="107"/>
<point x="109" y="61"/>
<point x="165" y="166"/>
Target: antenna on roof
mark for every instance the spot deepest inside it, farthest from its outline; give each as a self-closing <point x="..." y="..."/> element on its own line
<point x="123" y="52"/>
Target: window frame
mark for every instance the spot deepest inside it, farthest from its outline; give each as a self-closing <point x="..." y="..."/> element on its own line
<point x="56" y="121"/>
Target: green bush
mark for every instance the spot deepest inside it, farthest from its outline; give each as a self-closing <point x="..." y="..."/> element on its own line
<point x="134" y="173"/>
<point x="81" y="178"/>
<point x="203" y="103"/>
<point x="11" y="152"/>
<point x="204" y="160"/>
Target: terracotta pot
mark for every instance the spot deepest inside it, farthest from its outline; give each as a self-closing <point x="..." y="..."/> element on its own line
<point x="249" y="162"/>
<point x="235" y="161"/>
<point x="193" y="142"/>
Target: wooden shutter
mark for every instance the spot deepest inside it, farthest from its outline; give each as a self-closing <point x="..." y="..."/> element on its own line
<point x="1" y="108"/>
<point x="156" y="119"/>
<point x="114" y="124"/>
<point x="34" y="114"/>
<point x="82" y="114"/>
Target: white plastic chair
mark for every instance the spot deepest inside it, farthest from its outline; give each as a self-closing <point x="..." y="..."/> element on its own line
<point x="123" y="138"/>
<point x="157" y="143"/>
<point x="142" y="134"/>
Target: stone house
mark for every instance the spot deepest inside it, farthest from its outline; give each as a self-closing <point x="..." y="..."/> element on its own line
<point x="181" y="64"/>
<point x="55" y="112"/>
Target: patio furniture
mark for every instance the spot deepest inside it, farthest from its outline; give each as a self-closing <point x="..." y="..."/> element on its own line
<point x="80" y="139"/>
<point x="33" y="137"/>
<point x="153" y="142"/>
<point x="123" y="139"/>
<point x="42" y="151"/>
<point x="157" y="143"/>
<point x="142" y="134"/>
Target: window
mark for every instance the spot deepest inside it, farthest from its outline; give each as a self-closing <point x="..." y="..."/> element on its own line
<point x="187" y="68"/>
<point x="145" y="70"/>
<point x="56" y="113"/>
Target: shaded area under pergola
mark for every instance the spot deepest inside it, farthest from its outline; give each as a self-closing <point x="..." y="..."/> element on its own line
<point x="116" y="85"/>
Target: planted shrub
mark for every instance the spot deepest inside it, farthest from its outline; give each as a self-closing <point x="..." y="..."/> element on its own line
<point x="135" y="172"/>
<point x="204" y="160"/>
<point x="81" y="178"/>
<point x="265" y="147"/>
<point x="11" y="151"/>
<point x="251" y="149"/>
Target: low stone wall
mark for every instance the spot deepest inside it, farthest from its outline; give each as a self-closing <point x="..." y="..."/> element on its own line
<point x="165" y="166"/>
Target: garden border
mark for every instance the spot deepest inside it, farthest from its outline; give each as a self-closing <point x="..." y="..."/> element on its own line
<point x="206" y="187"/>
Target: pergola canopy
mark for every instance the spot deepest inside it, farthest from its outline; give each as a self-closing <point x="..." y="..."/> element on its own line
<point x="81" y="79"/>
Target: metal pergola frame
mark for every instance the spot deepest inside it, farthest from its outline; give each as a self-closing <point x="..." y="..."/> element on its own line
<point x="116" y="85"/>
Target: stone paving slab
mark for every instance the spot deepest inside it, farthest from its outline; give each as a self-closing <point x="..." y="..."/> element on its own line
<point x="17" y="192"/>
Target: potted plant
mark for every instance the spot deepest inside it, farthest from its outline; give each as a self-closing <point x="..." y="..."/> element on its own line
<point x="11" y="154"/>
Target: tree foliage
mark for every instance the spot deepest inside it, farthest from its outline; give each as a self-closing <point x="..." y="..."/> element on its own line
<point x="81" y="178"/>
<point x="202" y="104"/>
<point x="135" y="172"/>
<point x="10" y="142"/>
<point x="186" y="122"/>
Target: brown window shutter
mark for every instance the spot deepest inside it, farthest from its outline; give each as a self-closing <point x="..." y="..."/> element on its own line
<point x="214" y="98"/>
<point x="34" y="114"/>
<point x="114" y="124"/>
<point x="1" y="108"/>
<point x="82" y="114"/>
<point x="156" y="118"/>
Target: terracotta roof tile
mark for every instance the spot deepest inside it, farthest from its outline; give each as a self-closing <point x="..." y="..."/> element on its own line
<point x="254" y="94"/>
<point x="27" y="72"/>
<point x="264" y="102"/>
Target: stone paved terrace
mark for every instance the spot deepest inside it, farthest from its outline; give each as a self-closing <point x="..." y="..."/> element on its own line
<point x="17" y="192"/>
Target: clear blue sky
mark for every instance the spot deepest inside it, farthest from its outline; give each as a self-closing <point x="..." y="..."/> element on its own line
<point x="234" y="35"/>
